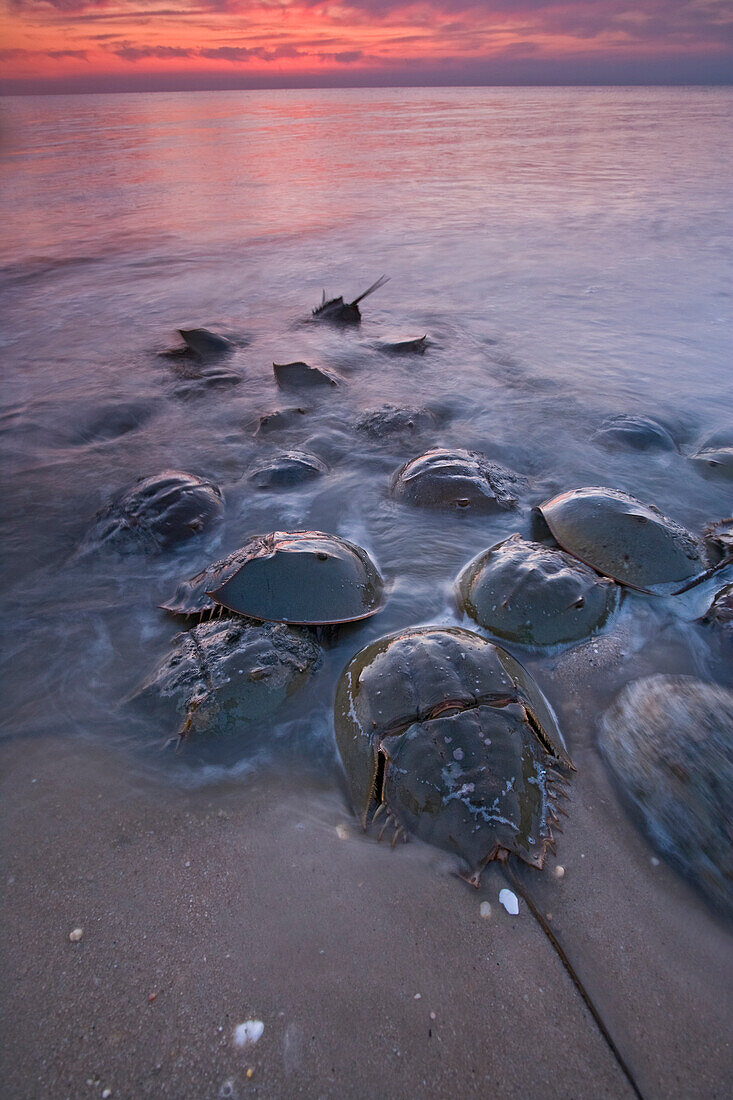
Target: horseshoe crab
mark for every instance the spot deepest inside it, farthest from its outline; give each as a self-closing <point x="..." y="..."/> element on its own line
<point x="280" y="420"/>
<point x="715" y="456"/>
<point x="158" y="512"/>
<point x="667" y="741"/>
<point x="338" y="312"/>
<point x="201" y="344"/>
<point x="456" y="479"/>
<point x="297" y="375"/>
<point x="405" y="347"/>
<point x="535" y="595"/>
<point x="306" y="578"/>
<point x="222" y="676"/>
<point x="286" y="469"/>
<point x="618" y="536"/>
<point x="636" y="433"/>
<point x="449" y="735"/>
<point x="199" y="383"/>
<point x="391" y="420"/>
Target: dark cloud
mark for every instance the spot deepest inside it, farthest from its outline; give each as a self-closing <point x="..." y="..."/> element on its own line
<point x="344" y="57"/>
<point x="141" y="53"/>
<point x="55" y="55"/>
<point x="237" y="54"/>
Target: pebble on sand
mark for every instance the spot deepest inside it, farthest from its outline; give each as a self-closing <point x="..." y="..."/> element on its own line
<point x="559" y="872"/>
<point x="485" y="909"/>
<point x="509" y="901"/>
<point x="342" y="832"/>
<point x="76" y="934"/>
<point x="248" y="1033"/>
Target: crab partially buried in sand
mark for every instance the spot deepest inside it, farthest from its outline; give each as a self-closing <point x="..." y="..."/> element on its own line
<point x="452" y="738"/>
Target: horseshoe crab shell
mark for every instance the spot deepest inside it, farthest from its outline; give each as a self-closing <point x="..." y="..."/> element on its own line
<point x="200" y="343"/>
<point x="450" y="734"/>
<point x="221" y="677"/>
<point x="306" y="578"/>
<point x="455" y="479"/>
<point x="299" y="374"/>
<point x="618" y="536"/>
<point x="390" y="420"/>
<point x="158" y="512"/>
<point x="667" y="741"/>
<point x="280" y="420"/>
<point x="405" y="347"/>
<point x="535" y="595"/>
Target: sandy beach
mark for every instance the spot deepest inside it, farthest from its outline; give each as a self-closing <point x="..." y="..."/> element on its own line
<point x="372" y="970"/>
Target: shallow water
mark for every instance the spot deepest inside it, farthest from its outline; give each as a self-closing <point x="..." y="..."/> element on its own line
<point x="568" y="252"/>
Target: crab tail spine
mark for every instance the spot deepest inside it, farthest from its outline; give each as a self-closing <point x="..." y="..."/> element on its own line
<point x="704" y="576"/>
<point x="370" y="290"/>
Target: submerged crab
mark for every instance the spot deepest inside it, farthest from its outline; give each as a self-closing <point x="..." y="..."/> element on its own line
<point x="286" y="469"/>
<point x="200" y="343"/>
<point x="389" y="420"/>
<point x="405" y="347"/>
<point x="157" y="513"/>
<point x="300" y="375"/>
<point x="339" y="312"/>
<point x="450" y="736"/>
<point x="456" y="479"/>
<point x="635" y="433"/>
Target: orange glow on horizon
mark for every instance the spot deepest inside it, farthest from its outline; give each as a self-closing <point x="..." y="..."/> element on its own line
<point x="57" y="39"/>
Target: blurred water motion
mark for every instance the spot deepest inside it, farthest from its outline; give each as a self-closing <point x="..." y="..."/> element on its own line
<point x="568" y="253"/>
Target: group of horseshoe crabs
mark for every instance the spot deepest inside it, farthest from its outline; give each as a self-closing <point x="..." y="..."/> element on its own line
<point x="442" y="733"/>
<point x="247" y="646"/>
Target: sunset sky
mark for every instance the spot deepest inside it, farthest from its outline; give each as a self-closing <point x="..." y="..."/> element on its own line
<point x="80" y="45"/>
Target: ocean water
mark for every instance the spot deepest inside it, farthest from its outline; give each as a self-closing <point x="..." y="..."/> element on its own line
<point x="568" y="252"/>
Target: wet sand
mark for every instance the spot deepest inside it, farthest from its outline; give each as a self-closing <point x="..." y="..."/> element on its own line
<point x="202" y="909"/>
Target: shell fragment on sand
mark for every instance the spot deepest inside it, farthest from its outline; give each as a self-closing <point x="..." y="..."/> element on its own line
<point x="248" y="1033"/>
<point x="510" y="902"/>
